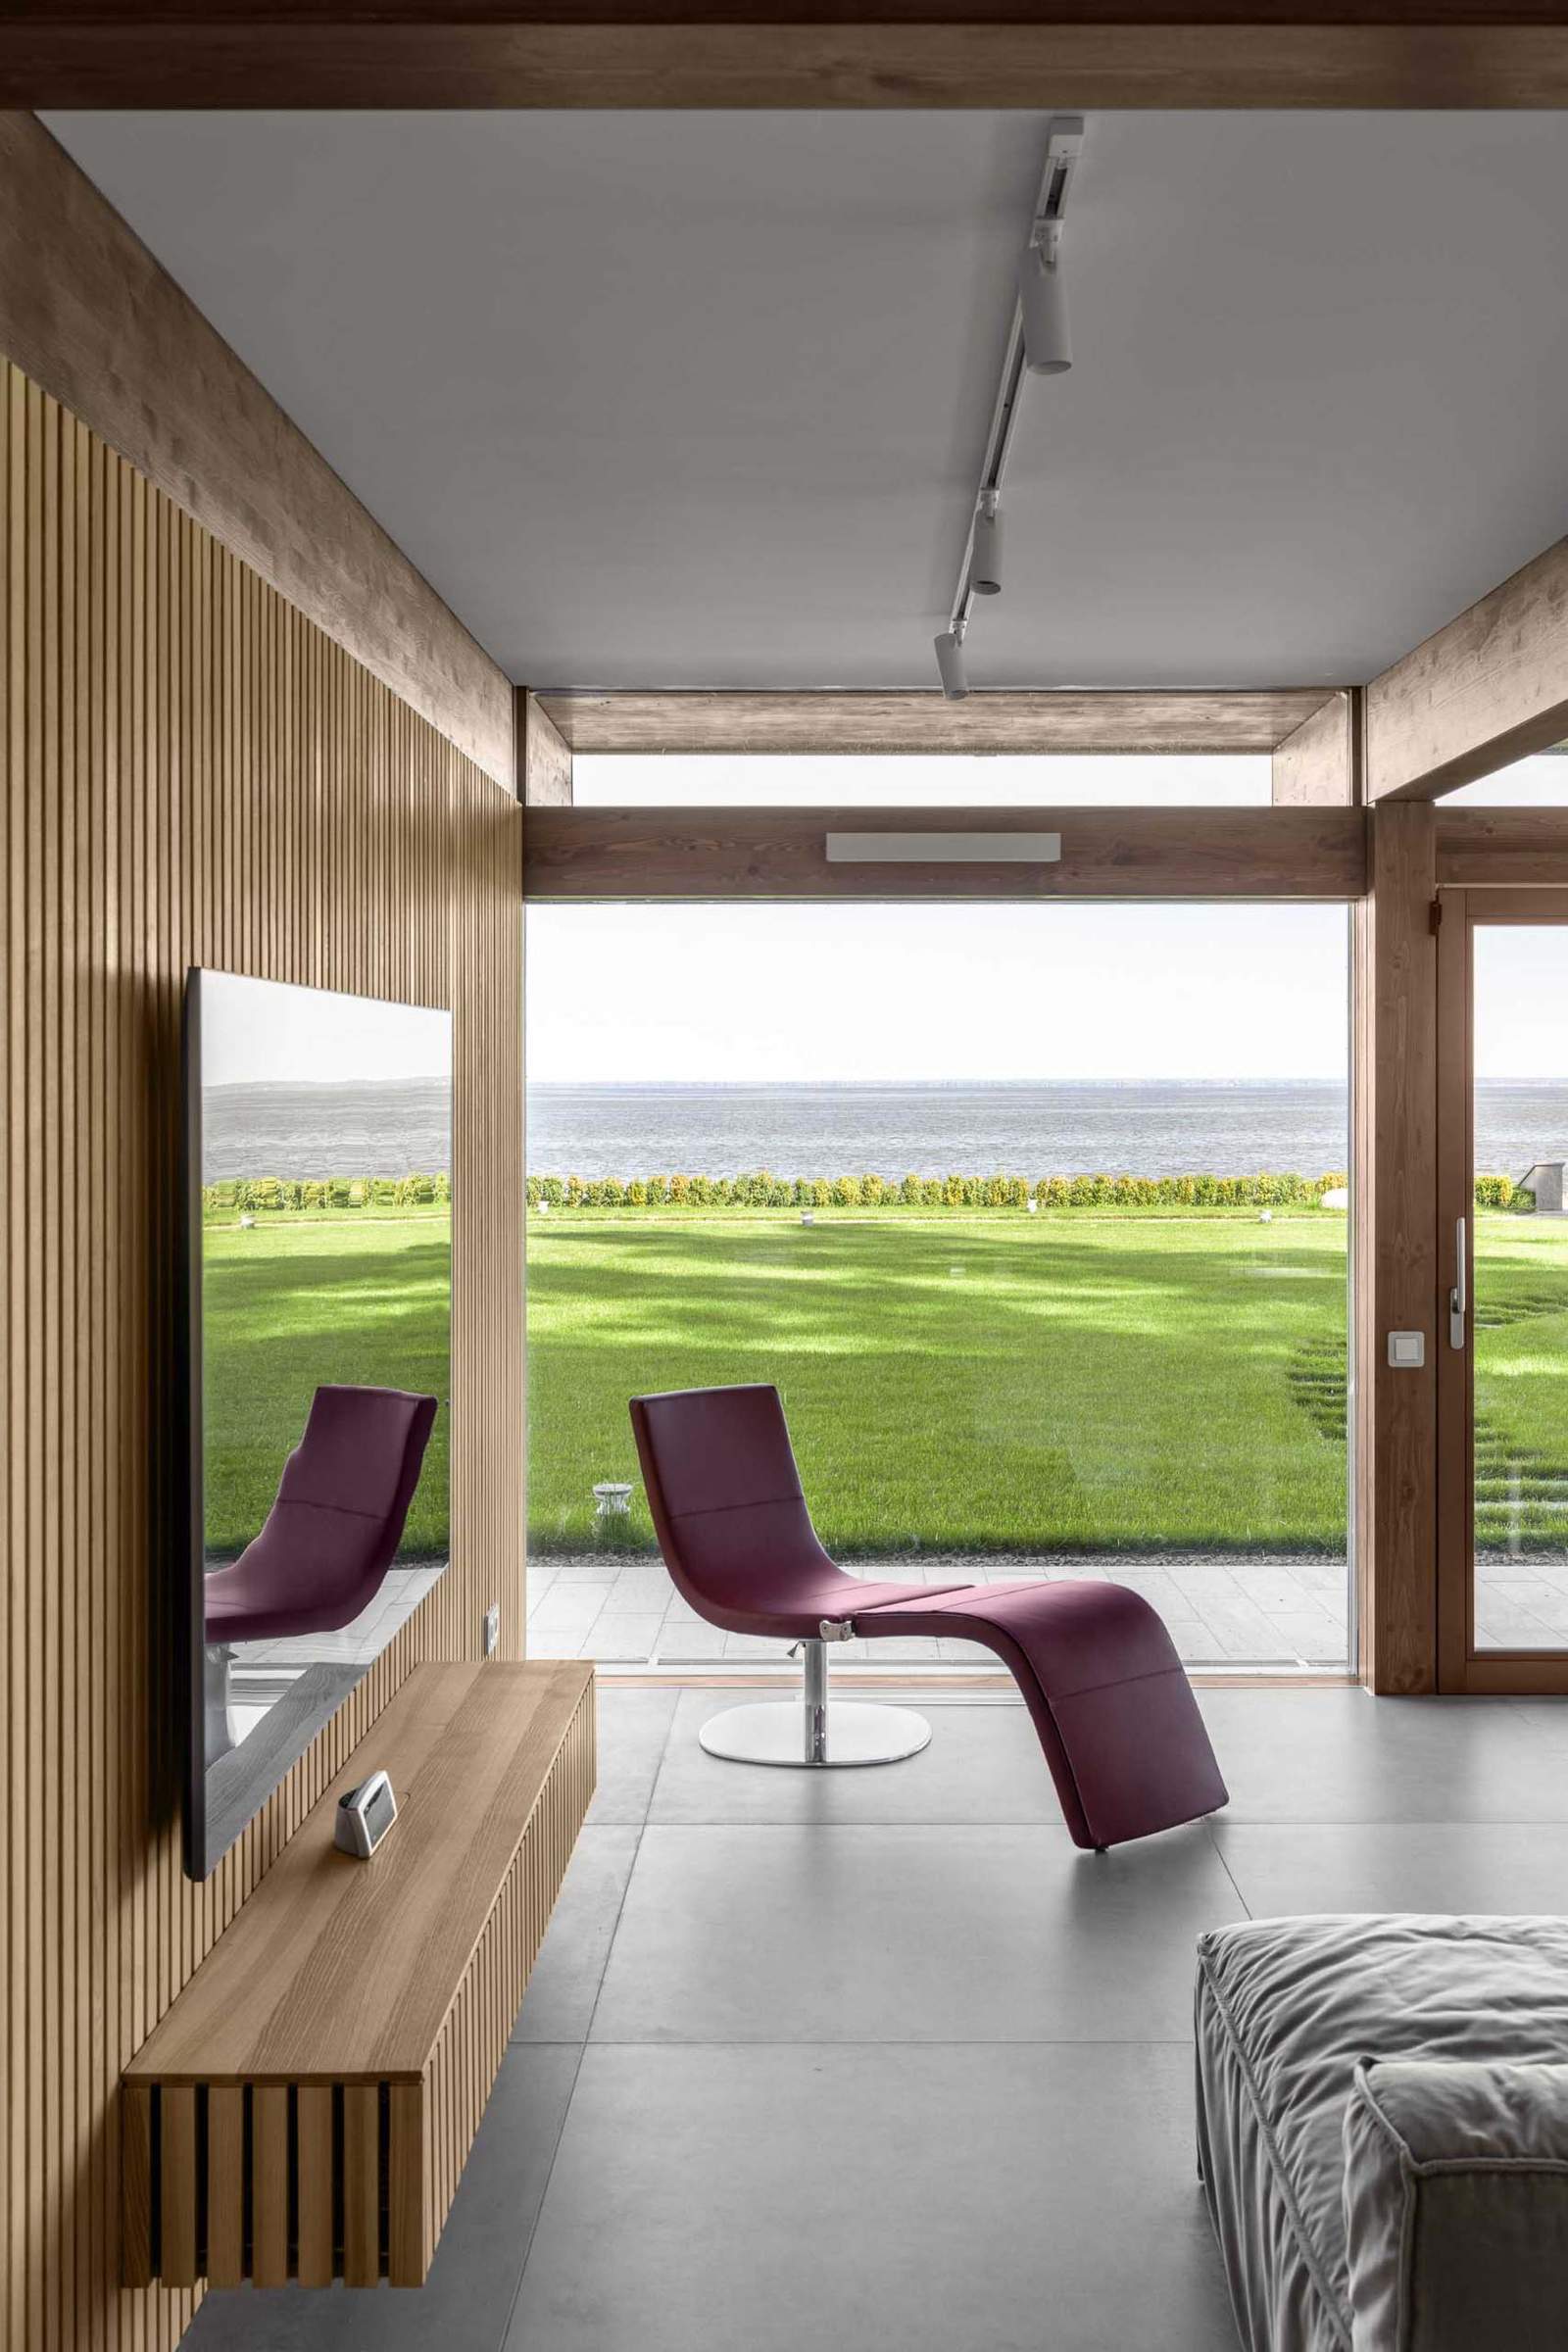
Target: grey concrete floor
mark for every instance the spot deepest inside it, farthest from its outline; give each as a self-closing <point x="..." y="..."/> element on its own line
<point x="879" y="2062"/>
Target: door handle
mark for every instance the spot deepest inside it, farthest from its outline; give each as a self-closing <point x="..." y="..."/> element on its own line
<point x="1458" y="1297"/>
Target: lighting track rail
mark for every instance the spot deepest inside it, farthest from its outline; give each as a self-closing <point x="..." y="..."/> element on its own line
<point x="1038" y="344"/>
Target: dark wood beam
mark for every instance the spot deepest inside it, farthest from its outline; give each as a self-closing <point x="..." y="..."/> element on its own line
<point x="1489" y="688"/>
<point x="1509" y="849"/>
<point x="916" y="724"/>
<point x="1106" y="854"/>
<point x="1041" y="54"/>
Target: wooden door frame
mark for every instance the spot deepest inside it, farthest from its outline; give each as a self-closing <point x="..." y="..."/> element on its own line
<point x="1462" y="1668"/>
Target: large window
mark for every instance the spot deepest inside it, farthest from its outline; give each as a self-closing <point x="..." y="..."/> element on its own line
<point x="1060" y="780"/>
<point x="1037" y="1216"/>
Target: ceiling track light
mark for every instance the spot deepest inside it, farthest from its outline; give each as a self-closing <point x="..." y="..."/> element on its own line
<point x="984" y="547"/>
<point x="1038" y="344"/>
<point x="950" y="663"/>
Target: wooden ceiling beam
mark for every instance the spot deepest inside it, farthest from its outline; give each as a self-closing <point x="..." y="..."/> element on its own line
<point x="1314" y="766"/>
<point x="544" y="757"/>
<point x="917" y="725"/>
<point x="1044" y="54"/>
<point x="1490" y="688"/>
<point x="730" y="854"/>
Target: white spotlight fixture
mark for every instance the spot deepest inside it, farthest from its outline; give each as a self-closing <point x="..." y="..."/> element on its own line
<point x="1043" y="304"/>
<point x="1038" y="344"/>
<point x="949" y="662"/>
<point x="985" y="561"/>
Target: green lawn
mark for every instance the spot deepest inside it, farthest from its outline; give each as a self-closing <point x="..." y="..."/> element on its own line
<point x="960" y="1381"/>
<point x="299" y="1300"/>
<point x="964" y="1383"/>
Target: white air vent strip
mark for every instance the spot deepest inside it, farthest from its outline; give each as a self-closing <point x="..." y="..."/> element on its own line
<point x="944" y="849"/>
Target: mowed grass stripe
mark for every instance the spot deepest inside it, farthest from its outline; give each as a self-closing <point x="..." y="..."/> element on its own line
<point x="960" y="1384"/>
<point x="963" y="1382"/>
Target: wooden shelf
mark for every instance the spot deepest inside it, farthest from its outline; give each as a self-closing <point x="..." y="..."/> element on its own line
<point x="305" y="2107"/>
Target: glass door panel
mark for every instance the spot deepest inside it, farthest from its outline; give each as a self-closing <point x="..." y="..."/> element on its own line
<point x="1502" y="1333"/>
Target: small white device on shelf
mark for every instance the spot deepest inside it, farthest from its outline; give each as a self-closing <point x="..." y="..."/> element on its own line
<point x="364" y="1815"/>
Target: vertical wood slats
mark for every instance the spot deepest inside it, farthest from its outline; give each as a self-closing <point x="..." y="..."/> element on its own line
<point x="225" y="2186"/>
<point x="270" y="2179"/>
<point x="194" y="773"/>
<point x="392" y="2163"/>
<point x="315" y="2171"/>
<point x="177" y="2186"/>
<point x="361" y="2185"/>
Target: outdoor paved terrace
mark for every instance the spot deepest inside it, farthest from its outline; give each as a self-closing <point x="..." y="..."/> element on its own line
<point x="1220" y="1613"/>
<point x="1235" y="1613"/>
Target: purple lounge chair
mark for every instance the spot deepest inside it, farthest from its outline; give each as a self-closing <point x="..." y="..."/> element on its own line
<point x="334" y="1530"/>
<point x="1116" y="1713"/>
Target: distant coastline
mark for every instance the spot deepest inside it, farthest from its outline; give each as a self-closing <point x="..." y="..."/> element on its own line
<point x="840" y="1128"/>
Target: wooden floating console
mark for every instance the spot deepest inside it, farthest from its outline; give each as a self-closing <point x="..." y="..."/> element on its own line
<point x="305" y="2109"/>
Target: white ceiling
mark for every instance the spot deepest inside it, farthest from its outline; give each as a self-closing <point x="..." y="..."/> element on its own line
<point x="698" y="400"/>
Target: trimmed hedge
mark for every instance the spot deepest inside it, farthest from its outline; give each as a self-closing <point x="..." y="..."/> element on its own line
<point x="766" y="1191"/>
<point x="279" y="1194"/>
<point x="274" y="1194"/>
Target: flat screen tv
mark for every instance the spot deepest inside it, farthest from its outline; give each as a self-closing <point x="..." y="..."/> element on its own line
<point x="315" y="1367"/>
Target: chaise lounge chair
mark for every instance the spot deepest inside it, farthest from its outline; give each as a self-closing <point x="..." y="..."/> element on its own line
<point x="1116" y="1713"/>
<point x="335" y="1527"/>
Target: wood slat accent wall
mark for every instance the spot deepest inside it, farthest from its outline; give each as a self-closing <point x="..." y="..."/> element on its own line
<point x="194" y="772"/>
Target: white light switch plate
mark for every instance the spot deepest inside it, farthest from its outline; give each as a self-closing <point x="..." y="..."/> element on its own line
<point x="1408" y="1351"/>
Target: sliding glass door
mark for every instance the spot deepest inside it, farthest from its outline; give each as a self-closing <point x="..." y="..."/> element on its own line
<point x="1502" y="1319"/>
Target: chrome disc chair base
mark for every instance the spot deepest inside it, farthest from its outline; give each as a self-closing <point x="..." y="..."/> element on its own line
<point x="814" y="1737"/>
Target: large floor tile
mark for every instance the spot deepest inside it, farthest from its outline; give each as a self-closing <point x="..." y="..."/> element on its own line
<point x="983" y="1764"/>
<point x="1395" y="1866"/>
<point x="467" y="2301"/>
<point x="565" y="1983"/>
<point x="633" y="1726"/>
<point x="808" y="1932"/>
<point x="1547" y="1718"/>
<point x="757" y="2201"/>
<point x="1338" y="1755"/>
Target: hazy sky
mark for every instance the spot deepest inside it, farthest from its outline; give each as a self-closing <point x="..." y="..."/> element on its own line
<point x="936" y="992"/>
<point x="1104" y="781"/>
<point x="1061" y="782"/>
<point x="256" y="1030"/>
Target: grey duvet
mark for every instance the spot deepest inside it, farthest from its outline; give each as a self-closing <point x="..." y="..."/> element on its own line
<point x="1285" y="2010"/>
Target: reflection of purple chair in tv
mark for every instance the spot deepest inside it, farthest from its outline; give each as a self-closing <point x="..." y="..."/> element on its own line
<point x="334" y="1530"/>
<point x="1116" y="1713"/>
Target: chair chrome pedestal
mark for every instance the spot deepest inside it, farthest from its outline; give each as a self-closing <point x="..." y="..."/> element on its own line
<point x="813" y="1736"/>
